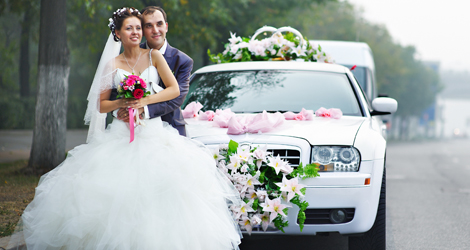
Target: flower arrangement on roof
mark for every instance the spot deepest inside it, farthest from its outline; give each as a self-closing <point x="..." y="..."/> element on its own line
<point x="278" y="47"/>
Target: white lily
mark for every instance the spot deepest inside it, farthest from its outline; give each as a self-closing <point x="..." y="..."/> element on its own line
<point x="277" y="163"/>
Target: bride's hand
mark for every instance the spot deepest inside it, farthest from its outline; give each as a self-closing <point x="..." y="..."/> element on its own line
<point x="127" y="102"/>
<point x="139" y="103"/>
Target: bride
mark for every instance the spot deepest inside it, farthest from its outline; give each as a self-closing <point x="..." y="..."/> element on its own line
<point x="161" y="191"/>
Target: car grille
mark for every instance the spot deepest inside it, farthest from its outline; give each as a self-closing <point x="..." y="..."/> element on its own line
<point x="290" y="155"/>
<point x="322" y="216"/>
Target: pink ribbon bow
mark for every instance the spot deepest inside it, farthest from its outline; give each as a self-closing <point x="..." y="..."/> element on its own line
<point x="303" y="115"/>
<point x="191" y="110"/>
<point x="222" y="117"/>
<point x="206" y="116"/>
<point x="332" y="113"/>
<point x="260" y="123"/>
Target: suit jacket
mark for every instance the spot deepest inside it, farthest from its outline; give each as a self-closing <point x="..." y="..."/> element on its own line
<point x="170" y="111"/>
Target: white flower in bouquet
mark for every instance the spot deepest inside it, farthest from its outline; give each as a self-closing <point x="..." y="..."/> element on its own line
<point x="262" y="194"/>
<point x="277" y="163"/>
<point x="291" y="186"/>
<point x="260" y="155"/>
<point x="287" y="169"/>
<point x="238" y="55"/>
<point x="244" y="168"/>
<point x="299" y="50"/>
<point x="265" y="221"/>
<point x="235" y="163"/>
<point x="244" y="155"/>
<point x="234" y="48"/>
<point x="255" y="220"/>
<point x="239" y="178"/>
<point x="245" y="222"/>
<point x="244" y="209"/>
<point x="216" y="154"/>
<point x="251" y="194"/>
<point x="278" y="39"/>
<point x="275" y="207"/>
<point x="256" y="48"/>
<point x="234" y="39"/>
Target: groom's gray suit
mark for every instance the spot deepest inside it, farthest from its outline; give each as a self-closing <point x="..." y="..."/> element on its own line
<point x="181" y="65"/>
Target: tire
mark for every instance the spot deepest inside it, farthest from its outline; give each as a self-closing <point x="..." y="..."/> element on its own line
<point x="374" y="239"/>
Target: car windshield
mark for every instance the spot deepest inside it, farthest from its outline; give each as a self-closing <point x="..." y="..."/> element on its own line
<point x="273" y="90"/>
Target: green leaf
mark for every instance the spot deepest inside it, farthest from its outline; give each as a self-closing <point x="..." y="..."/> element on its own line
<point x="232" y="147"/>
<point x="255" y="204"/>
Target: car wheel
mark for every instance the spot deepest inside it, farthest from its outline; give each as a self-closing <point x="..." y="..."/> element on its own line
<point x="374" y="239"/>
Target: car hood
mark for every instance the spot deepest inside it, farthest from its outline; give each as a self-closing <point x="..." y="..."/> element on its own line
<point x="319" y="131"/>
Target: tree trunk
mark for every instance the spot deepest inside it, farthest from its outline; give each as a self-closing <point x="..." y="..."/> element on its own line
<point x="48" y="149"/>
<point x="24" y="54"/>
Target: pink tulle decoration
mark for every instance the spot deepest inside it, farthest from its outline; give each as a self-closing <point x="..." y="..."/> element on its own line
<point x="222" y="117"/>
<point x="331" y="113"/>
<point x="260" y="123"/>
<point x="191" y="110"/>
<point x="304" y="115"/>
<point x="206" y="116"/>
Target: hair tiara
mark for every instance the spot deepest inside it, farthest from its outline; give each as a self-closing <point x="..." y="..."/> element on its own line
<point x="118" y="12"/>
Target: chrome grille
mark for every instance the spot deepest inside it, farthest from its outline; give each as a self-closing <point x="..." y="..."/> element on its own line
<point x="290" y="155"/>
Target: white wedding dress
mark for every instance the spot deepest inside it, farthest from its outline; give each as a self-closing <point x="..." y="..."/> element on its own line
<point x="162" y="191"/>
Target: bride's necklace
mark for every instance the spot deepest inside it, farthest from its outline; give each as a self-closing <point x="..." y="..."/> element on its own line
<point x="132" y="68"/>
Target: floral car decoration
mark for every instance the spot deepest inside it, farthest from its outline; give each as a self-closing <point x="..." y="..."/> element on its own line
<point x="289" y="46"/>
<point x="267" y="185"/>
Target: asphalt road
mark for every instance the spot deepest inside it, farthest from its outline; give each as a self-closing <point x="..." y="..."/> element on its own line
<point x="428" y="195"/>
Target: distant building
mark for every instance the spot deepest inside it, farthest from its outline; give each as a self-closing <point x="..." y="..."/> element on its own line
<point x="453" y="105"/>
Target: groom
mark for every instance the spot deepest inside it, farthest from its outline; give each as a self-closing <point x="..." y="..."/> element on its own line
<point x="155" y="27"/>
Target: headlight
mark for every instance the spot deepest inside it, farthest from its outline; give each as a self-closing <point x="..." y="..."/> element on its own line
<point x="336" y="158"/>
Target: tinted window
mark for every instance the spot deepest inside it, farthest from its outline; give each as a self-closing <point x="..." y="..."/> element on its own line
<point x="273" y="90"/>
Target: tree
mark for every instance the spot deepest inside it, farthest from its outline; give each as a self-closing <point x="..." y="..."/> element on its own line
<point x="48" y="148"/>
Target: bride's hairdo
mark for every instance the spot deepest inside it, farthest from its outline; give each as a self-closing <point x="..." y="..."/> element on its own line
<point x="115" y="23"/>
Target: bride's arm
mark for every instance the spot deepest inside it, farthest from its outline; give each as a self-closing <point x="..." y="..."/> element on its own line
<point x="107" y="105"/>
<point x="172" y="89"/>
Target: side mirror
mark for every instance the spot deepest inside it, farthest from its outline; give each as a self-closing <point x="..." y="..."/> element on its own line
<point x="383" y="106"/>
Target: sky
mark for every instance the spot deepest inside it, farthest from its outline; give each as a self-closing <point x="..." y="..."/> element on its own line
<point x="439" y="30"/>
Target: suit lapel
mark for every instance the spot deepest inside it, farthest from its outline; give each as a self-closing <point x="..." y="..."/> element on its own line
<point x="170" y="51"/>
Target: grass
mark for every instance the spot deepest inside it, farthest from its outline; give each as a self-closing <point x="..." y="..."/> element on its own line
<point x="16" y="192"/>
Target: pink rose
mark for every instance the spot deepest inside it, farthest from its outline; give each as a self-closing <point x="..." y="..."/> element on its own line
<point x="129" y="82"/>
<point x="138" y="93"/>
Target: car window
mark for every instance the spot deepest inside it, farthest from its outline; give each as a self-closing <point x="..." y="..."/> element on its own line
<point x="273" y="90"/>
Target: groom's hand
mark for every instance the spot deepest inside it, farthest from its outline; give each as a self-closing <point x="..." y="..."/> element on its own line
<point x="123" y="114"/>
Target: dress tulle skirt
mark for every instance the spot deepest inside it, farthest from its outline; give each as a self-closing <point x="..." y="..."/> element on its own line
<point x="162" y="191"/>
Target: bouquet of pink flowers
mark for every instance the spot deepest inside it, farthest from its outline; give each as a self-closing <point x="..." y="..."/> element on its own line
<point x="132" y="86"/>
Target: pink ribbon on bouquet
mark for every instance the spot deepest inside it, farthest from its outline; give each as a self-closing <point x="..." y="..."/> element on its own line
<point x="260" y="123"/>
<point x="131" y="123"/>
<point x="330" y="113"/>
